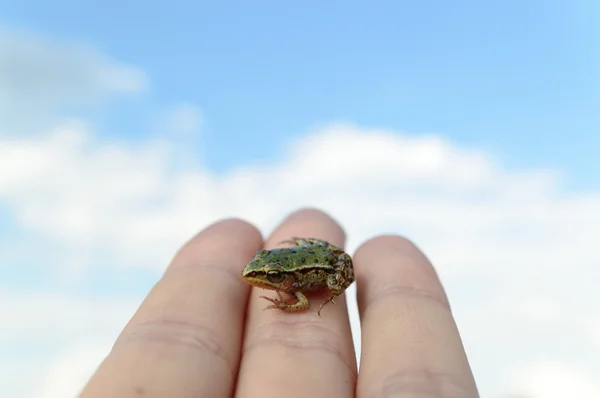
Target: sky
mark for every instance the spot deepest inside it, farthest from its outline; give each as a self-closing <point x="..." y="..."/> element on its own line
<point x="471" y="127"/>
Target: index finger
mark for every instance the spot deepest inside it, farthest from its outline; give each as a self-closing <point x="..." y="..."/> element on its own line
<point x="184" y="340"/>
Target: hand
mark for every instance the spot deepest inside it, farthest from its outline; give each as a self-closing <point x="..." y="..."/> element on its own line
<point x="202" y="331"/>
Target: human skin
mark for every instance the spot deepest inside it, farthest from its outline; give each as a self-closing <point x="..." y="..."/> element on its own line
<point x="203" y="332"/>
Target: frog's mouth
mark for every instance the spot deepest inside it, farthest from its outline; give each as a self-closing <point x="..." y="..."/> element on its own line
<point x="261" y="279"/>
<point x="257" y="279"/>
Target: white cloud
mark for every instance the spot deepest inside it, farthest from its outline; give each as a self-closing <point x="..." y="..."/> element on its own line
<point x="594" y="330"/>
<point x="53" y="342"/>
<point x="39" y="75"/>
<point x="35" y="68"/>
<point x="556" y="379"/>
<point x="67" y="376"/>
<point x="517" y="254"/>
<point x="56" y="318"/>
<point x="183" y="121"/>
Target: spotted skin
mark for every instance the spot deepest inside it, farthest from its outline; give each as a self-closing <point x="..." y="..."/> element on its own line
<point x="308" y="266"/>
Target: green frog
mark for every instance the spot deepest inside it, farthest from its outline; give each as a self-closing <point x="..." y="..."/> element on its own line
<point x="311" y="265"/>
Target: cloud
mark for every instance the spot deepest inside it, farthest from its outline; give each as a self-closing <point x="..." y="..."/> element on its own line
<point x="68" y="374"/>
<point x="516" y="252"/>
<point x="126" y="198"/>
<point x="555" y="379"/>
<point x="183" y="121"/>
<point x="39" y="76"/>
<point x="56" y="317"/>
<point x="60" y="376"/>
<point x="53" y="342"/>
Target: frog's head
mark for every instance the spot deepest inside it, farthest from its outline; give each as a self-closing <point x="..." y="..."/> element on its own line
<point x="265" y="271"/>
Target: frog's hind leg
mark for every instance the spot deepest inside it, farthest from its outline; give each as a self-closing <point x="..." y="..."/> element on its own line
<point x="305" y="241"/>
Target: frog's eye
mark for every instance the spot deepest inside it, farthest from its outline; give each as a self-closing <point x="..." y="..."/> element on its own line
<point x="275" y="276"/>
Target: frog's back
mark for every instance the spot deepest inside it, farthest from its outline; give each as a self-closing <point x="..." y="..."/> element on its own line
<point x="311" y="257"/>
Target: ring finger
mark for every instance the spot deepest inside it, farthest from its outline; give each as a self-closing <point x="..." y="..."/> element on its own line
<point x="410" y="343"/>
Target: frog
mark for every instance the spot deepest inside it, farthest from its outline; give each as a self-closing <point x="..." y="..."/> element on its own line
<point x="309" y="265"/>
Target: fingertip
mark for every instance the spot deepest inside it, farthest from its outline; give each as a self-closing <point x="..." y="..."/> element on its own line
<point x="395" y="253"/>
<point x="235" y="227"/>
<point x="398" y="242"/>
<point x="314" y="222"/>
<point x="231" y="234"/>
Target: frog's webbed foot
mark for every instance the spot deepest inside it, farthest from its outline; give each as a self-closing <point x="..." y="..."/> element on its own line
<point x="301" y="303"/>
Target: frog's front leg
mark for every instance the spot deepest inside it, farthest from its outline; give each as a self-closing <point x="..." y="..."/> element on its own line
<point x="327" y="301"/>
<point x="301" y="305"/>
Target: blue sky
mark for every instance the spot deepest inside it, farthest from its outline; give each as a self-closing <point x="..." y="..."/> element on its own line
<point x="518" y="77"/>
<point x="470" y="127"/>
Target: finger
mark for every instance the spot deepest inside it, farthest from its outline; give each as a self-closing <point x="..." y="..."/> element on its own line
<point x="410" y="344"/>
<point x="184" y="340"/>
<point x="298" y="354"/>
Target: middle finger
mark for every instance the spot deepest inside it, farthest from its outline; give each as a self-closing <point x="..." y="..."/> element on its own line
<point x="298" y="354"/>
